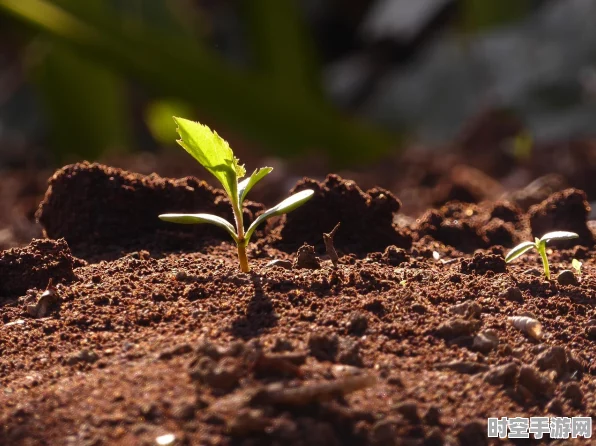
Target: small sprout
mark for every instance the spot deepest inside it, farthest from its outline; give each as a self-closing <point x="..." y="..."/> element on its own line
<point x="215" y="155"/>
<point x="577" y="266"/>
<point x="403" y="282"/>
<point x="540" y="245"/>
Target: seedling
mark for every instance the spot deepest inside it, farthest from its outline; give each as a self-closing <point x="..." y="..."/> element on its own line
<point x="540" y="245"/>
<point x="215" y="154"/>
<point x="577" y="266"/>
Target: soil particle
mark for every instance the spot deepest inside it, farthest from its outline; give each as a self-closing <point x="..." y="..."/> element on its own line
<point x="513" y="294"/>
<point x="468" y="309"/>
<point x="502" y="375"/>
<point x="482" y="263"/>
<point x="563" y="211"/>
<point x="323" y="346"/>
<point x="357" y="323"/>
<point x="306" y="258"/>
<point x="455" y="328"/>
<point x="574" y="393"/>
<point x="409" y="410"/>
<point x="84" y="355"/>
<point x="506" y="211"/>
<point x="497" y="232"/>
<point x="473" y="434"/>
<point x="100" y="205"/>
<point x="566" y="277"/>
<point x="432" y="417"/>
<point x="35" y="265"/>
<point x="395" y="256"/>
<point x="366" y="218"/>
<point x="535" y="382"/>
<point x="486" y="341"/>
<point x="558" y="359"/>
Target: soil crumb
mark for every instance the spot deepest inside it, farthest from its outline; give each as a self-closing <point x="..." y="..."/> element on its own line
<point x="34" y="265"/>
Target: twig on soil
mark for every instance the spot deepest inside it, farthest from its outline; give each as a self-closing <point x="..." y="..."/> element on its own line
<point x="328" y="239"/>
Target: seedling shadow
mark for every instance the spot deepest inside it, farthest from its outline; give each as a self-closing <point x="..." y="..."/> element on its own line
<point x="259" y="316"/>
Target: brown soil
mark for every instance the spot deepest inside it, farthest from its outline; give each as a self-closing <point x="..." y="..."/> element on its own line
<point x="407" y="341"/>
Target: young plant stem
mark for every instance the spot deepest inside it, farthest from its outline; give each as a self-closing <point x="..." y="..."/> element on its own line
<point x="242" y="258"/>
<point x="542" y="252"/>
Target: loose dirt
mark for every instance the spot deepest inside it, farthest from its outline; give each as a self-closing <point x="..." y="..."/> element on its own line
<point x="157" y="337"/>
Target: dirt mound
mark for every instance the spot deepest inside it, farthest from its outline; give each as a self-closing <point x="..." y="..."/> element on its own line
<point x="34" y="265"/>
<point x="468" y="227"/>
<point x="96" y="204"/>
<point x="366" y="218"/>
<point x="563" y="211"/>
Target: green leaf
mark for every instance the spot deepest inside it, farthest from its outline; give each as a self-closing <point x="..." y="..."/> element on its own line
<point x="289" y="204"/>
<point x="193" y="219"/>
<point x="519" y="250"/>
<point x="558" y="235"/>
<point x="577" y="265"/>
<point x="246" y="185"/>
<point x="213" y="152"/>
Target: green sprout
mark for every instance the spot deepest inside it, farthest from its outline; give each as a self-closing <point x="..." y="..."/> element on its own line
<point x="215" y="154"/>
<point x="540" y="245"/>
<point x="577" y="266"/>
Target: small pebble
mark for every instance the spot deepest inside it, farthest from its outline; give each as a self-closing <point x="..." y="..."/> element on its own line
<point x="513" y="294"/>
<point x="502" y="375"/>
<point x="566" y="277"/>
<point x="533" y="272"/>
<point x="485" y="341"/>
<point x="409" y="410"/>
<point x="574" y="394"/>
<point x="164" y="440"/>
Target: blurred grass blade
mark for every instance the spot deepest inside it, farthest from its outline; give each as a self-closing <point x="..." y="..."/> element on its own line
<point x="85" y="103"/>
<point x="282" y="44"/>
<point x="175" y="66"/>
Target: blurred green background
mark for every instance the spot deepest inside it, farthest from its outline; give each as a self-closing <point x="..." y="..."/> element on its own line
<point x="346" y="80"/>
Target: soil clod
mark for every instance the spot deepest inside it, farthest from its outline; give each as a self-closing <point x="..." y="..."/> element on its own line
<point x="35" y="265"/>
<point x="306" y="258"/>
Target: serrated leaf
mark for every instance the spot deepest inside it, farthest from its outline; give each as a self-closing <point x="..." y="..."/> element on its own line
<point x="213" y="152"/>
<point x="246" y="185"/>
<point x="193" y="219"/>
<point x="289" y="204"/>
<point x="519" y="250"/>
<point x="558" y="235"/>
